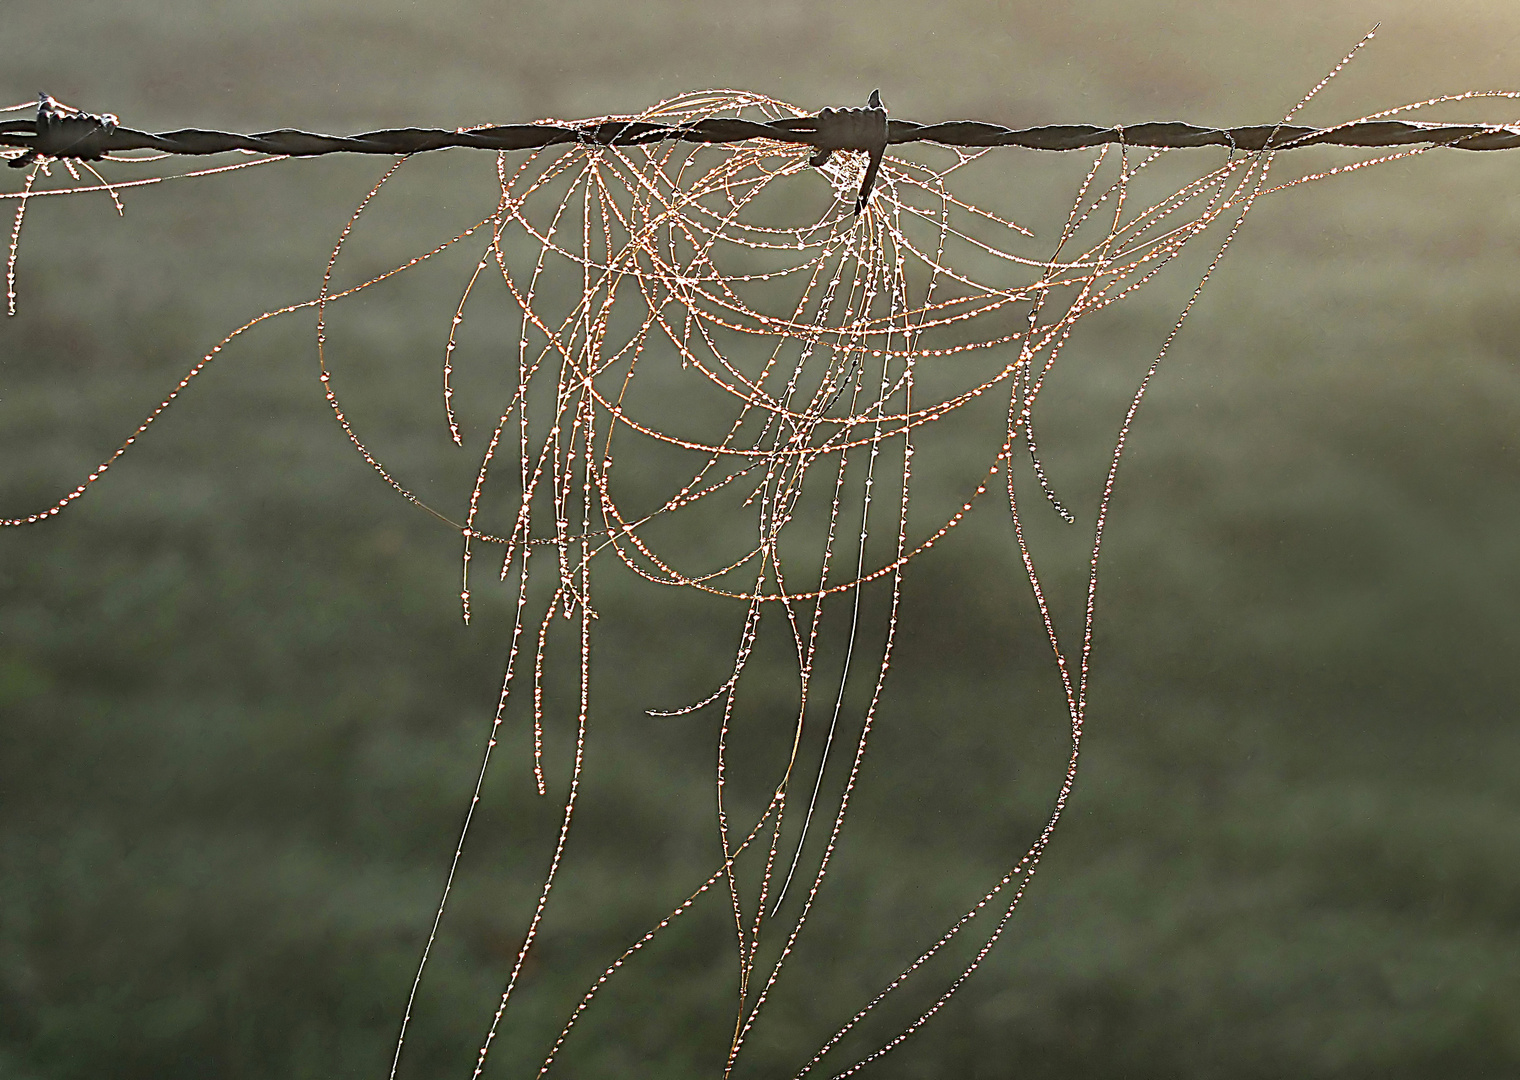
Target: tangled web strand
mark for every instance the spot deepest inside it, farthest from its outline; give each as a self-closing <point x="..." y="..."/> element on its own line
<point x="814" y="336"/>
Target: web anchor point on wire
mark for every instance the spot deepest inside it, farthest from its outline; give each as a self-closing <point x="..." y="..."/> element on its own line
<point x="854" y="129"/>
<point x="66" y="132"/>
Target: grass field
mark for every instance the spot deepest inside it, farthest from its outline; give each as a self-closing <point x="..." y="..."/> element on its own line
<point x="240" y="718"/>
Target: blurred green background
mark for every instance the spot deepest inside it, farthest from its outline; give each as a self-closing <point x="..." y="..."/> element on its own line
<point x="239" y="717"/>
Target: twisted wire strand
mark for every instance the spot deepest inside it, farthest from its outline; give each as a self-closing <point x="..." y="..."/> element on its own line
<point x="62" y="132"/>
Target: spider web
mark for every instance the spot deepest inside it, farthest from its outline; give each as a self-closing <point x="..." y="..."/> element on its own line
<point x="814" y="349"/>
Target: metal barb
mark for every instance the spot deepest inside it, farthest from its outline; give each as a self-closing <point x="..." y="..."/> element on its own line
<point x="853" y="129"/>
<point x="65" y="132"/>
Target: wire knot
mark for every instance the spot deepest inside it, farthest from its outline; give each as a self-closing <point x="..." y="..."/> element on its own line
<point x="853" y="129"/>
<point x="66" y="132"/>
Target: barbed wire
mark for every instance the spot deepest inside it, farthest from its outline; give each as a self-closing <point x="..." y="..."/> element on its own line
<point x="64" y="132"/>
<point x="61" y="131"/>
